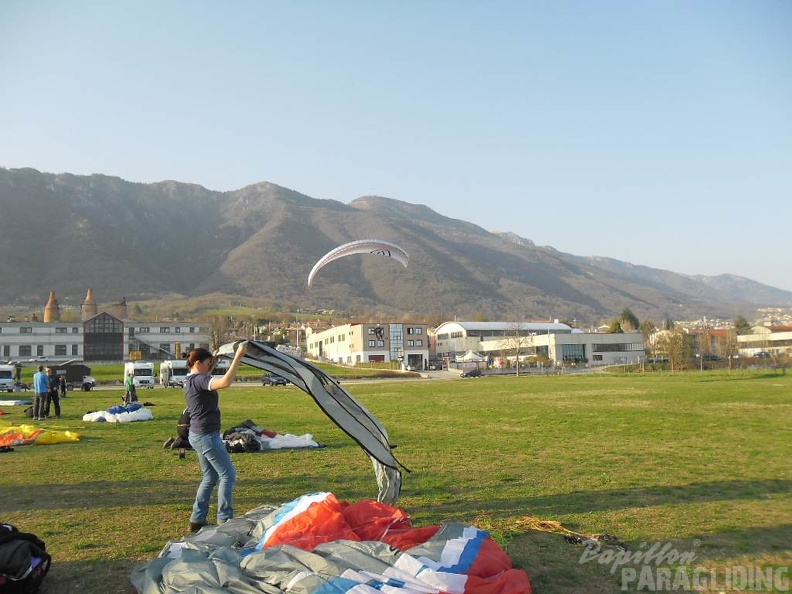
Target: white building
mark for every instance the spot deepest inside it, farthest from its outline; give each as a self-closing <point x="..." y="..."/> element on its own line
<point x="363" y="343"/>
<point x="558" y="342"/>
<point x="776" y="340"/>
<point x="99" y="335"/>
<point x="102" y="337"/>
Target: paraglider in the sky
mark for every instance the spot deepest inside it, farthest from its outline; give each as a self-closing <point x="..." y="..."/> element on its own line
<point x="361" y="246"/>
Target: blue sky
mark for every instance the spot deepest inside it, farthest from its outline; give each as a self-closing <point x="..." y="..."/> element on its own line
<point x="657" y="133"/>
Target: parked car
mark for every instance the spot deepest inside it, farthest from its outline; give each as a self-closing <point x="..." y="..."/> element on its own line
<point x="269" y="379"/>
<point x="763" y="355"/>
<point x="471" y="373"/>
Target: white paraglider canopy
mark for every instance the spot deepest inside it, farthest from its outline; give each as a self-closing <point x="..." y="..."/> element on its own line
<point x="378" y="247"/>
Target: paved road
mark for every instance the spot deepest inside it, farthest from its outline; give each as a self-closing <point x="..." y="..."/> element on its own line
<point x="425" y="375"/>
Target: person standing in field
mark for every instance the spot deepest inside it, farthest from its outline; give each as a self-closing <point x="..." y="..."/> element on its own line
<point x="203" y="406"/>
<point x="41" y="386"/>
<point x="53" y="392"/>
<point x="131" y="390"/>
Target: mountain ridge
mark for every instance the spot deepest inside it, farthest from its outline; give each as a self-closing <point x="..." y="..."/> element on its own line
<point x="143" y="241"/>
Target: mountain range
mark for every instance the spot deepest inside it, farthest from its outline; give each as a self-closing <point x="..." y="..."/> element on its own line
<point x="66" y="233"/>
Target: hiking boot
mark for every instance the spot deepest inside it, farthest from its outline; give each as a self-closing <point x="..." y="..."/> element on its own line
<point x="196" y="526"/>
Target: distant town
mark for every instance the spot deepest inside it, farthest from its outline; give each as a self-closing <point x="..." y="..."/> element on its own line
<point x="117" y="331"/>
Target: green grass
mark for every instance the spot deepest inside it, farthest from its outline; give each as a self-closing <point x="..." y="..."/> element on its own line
<point x="698" y="460"/>
<point x="113" y="374"/>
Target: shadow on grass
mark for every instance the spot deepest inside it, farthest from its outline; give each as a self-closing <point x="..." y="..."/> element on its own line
<point x="553" y="563"/>
<point x="770" y="541"/>
<point x="78" y="577"/>
<point x="118" y="494"/>
<point x="766" y="541"/>
<point x="554" y="566"/>
<point x="767" y="375"/>
<point x="616" y="499"/>
<point x="611" y="500"/>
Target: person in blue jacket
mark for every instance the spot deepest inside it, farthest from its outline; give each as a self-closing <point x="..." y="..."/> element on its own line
<point x="41" y="387"/>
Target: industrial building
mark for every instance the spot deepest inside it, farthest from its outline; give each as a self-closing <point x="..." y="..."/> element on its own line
<point x="558" y="342"/>
<point x="100" y="335"/>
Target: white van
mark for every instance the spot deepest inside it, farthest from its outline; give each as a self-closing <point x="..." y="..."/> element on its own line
<point x="172" y="373"/>
<point x="142" y="371"/>
<point x="7" y="377"/>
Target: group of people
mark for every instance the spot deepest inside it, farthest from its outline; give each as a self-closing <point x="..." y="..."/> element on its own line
<point x="50" y="388"/>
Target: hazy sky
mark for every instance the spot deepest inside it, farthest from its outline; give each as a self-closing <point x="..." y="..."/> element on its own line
<point x="654" y="132"/>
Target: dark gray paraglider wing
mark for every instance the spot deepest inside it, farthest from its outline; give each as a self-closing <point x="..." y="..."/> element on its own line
<point x="340" y="406"/>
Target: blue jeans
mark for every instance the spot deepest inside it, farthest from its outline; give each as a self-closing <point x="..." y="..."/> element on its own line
<point x="217" y="467"/>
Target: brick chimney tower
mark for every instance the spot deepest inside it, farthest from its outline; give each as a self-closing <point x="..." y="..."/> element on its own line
<point x="88" y="309"/>
<point x="51" y="310"/>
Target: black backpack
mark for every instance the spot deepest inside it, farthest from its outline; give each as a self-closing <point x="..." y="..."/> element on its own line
<point x="183" y="428"/>
<point x="24" y="561"/>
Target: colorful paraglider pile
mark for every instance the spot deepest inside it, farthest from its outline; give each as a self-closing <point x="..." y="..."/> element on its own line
<point x="19" y="435"/>
<point x="317" y="544"/>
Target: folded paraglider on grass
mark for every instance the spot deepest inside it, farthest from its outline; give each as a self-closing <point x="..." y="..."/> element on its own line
<point x="317" y="543"/>
<point x="250" y="437"/>
<point x="247" y="436"/>
<point x="126" y="413"/>
<point x="18" y="435"/>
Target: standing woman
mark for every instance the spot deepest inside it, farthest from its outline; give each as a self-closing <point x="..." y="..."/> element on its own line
<point x="200" y="391"/>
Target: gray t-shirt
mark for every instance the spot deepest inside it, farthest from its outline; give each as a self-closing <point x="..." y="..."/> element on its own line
<point x="202" y="404"/>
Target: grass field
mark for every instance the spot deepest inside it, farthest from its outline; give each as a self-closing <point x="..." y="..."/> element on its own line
<point x="700" y="461"/>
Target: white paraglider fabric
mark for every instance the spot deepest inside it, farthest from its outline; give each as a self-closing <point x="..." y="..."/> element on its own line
<point x="377" y="247"/>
